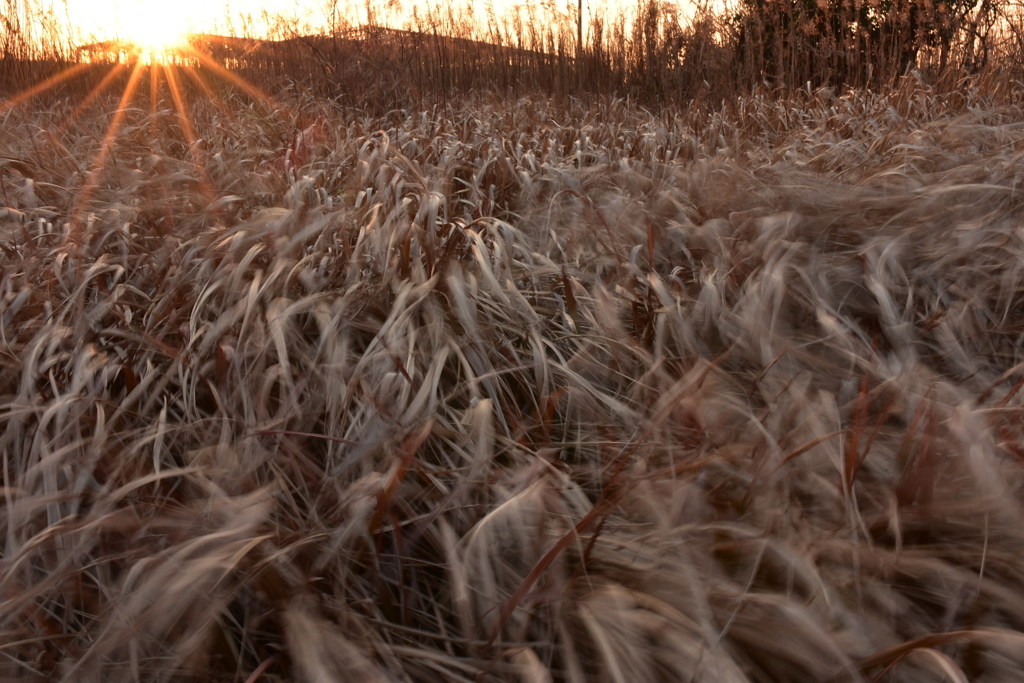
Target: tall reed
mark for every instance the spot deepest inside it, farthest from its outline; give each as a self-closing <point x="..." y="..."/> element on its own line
<point x="655" y="53"/>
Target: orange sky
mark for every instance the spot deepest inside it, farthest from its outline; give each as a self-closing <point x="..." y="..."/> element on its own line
<point x="159" y="20"/>
<point x="105" y="19"/>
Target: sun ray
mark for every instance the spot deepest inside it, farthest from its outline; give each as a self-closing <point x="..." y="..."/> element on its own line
<point x="187" y="58"/>
<point x="154" y="127"/>
<point x="94" y="93"/>
<point x="179" y="105"/>
<point x="190" y="136"/>
<point x="154" y="88"/>
<point x="235" y="79"/>
<point x="42" y="86"/>
<point x="154" y="100"/>
<point x="92" y="181"/>
<point x="211" y="96"/>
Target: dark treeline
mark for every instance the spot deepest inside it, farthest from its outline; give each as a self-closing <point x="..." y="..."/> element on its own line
<point x="656" y="55"/>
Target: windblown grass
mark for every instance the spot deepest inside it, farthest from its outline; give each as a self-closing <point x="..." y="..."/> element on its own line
<point x="526" y="391"/>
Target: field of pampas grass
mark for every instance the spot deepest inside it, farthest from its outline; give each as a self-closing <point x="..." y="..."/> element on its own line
<point x="515" y="391"/>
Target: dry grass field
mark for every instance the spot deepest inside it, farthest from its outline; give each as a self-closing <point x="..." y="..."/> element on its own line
<point x="541" y="390"/>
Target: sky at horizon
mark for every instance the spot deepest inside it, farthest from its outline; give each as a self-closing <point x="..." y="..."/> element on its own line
<point x="154" y="20"/>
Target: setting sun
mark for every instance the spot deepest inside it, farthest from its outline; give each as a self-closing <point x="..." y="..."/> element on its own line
<point x="155" y="29"/>
<point x="159" y="26"/>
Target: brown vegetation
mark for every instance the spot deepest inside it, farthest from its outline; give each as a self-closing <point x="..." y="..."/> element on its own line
<point x="656" y="54"/>
<point x="529" y="389"/>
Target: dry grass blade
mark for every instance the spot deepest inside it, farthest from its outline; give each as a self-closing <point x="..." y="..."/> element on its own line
<point x="514" y="388"/>
<point x="321" y="653"/>
<point x="892" y="655"/>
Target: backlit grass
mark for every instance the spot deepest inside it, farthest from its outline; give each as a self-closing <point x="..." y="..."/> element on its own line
<point x="525" y="390"/>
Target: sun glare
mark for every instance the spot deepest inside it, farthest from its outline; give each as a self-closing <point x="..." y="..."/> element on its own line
<point x="158" y="31"/>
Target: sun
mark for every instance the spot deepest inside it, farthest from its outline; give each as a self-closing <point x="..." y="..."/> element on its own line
<point x="158" y="38"/>
<point x="158" y="29"/>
